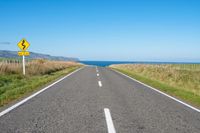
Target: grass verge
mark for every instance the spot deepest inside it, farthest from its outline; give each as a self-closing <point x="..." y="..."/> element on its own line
<point x="179" y="93"/>
<point x="15" y="86"/>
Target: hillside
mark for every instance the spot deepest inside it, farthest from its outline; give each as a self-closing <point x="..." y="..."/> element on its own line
<point x="13" y="54"/>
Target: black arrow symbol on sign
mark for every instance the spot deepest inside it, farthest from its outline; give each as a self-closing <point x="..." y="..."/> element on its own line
<point x="24" y="46"/>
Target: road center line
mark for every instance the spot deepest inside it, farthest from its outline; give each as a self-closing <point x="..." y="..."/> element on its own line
<point x="100" y="84"/>
<point x="110" y="125"/>
<point x="97" y="69"/>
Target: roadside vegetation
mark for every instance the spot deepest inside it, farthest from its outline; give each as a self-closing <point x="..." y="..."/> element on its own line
<point x="179" y="80"/>
<point x="13" y="85"/>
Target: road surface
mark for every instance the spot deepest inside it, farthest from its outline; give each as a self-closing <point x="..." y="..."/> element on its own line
<point x="99" y="100"/>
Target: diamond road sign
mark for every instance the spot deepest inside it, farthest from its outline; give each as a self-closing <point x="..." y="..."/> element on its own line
<point x="23" y="45"/>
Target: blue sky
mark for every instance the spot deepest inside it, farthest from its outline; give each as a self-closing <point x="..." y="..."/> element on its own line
<point x="127" y="30"/>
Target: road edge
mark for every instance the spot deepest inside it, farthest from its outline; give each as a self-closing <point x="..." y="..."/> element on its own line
<point x="12" y="107"/>
<point x="173" y="98"/>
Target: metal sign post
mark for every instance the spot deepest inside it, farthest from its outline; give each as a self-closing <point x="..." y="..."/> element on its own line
<point x="24" y="65"/>
<point x="23" y="45"/>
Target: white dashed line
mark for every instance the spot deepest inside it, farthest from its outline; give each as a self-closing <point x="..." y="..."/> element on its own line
<point x="100" y="84"/>
<point x="110" y="125"/>
<point x="97" y="75"/>
<point x="97" y="69"/>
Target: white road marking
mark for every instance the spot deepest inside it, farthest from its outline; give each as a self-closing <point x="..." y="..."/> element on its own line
<point x="97" y="75"/>
<point x="110" y="125"/>
<point x="35" y="94"/>
<point x="97" y="69"/>
<point x="179" y="101"/>
<point x="100" y="84"/>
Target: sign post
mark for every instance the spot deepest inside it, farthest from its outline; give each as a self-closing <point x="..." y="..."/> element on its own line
<point x="24" y="68"/>
<point x="23" y="45"/>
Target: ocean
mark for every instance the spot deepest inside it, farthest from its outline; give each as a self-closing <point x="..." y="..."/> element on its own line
<point x="103" y="63"/>
<point x="107" y="63"/>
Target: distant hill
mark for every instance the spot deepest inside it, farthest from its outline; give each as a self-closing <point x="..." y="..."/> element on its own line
<point x="13" y="54"/>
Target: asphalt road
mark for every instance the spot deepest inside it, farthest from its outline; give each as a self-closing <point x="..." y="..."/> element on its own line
<point x="79" y="103"/>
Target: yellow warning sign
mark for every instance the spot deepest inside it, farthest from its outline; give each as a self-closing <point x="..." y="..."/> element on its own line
<point x="23" y="45"/>
<point x="23" y="53"/>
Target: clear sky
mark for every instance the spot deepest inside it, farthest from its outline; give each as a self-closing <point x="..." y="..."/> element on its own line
<point x="127" y="30"/>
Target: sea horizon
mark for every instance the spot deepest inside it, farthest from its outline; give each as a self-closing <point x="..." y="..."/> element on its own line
<point x="107" y="63"/>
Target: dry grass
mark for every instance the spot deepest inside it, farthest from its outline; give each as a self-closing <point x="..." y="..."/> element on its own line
<point x="182" y="76"/>
<point x="36" y="67"/>
<point x="13" y="68"/>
